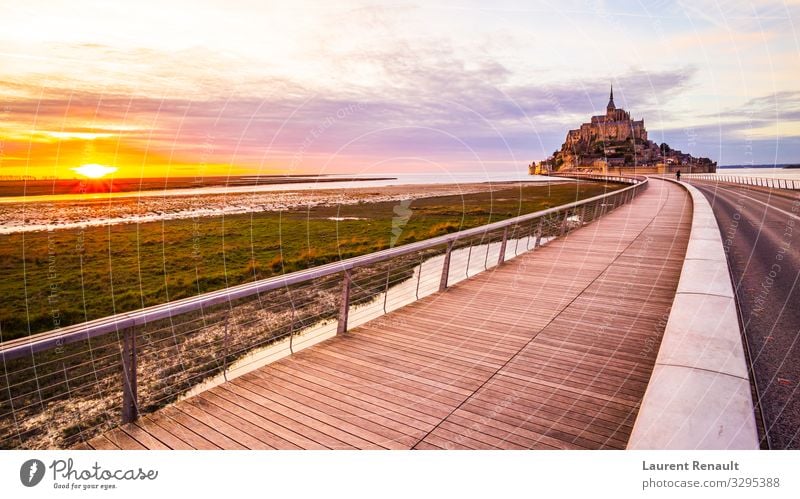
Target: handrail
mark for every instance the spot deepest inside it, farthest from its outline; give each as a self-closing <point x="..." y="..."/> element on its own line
<point x="773" y="183"/>
<point x="631" y="179"/>
<point x="115" y="323"/>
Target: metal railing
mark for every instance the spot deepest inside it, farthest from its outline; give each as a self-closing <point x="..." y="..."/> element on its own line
<point x="63" y="386"/>
<point x="772" y="183"/>
<point x="598" y="177"/>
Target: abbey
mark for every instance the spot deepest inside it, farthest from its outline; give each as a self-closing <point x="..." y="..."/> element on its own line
<point x="613" y="141"/>
<point x="614" y="126"/>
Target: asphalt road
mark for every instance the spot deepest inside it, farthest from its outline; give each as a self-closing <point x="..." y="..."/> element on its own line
<point x="761" y="234"/>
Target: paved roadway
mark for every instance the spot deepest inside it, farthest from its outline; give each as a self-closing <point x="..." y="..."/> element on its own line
<point x="761" y="234"/>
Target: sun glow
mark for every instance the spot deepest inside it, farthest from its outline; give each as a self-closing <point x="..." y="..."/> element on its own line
<point x="95" y="170"/>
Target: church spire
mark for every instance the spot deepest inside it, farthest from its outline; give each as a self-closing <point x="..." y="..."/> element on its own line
<point x="611" y="106"/>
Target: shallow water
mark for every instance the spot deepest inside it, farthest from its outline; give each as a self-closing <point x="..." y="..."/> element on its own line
<point x="400" y="179"/>
<point x="30" y="216"/>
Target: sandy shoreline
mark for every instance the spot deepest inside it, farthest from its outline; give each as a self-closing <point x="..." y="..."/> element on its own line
<point x="34" y="216"/>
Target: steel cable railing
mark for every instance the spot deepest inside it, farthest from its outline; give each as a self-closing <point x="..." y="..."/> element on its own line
<point x="60" y="387"/>
<point x="770" y="182"/>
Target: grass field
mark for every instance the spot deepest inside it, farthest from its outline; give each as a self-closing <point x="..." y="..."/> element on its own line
<point x="63" y="277"/>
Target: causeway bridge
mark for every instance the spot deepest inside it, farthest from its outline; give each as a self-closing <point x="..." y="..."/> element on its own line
<point x="609" y="323"/>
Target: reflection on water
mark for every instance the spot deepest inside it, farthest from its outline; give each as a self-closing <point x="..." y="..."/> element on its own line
<point x="398" y="179"/>
<point x="464" y="263"/>
<point x="42" y="213"/>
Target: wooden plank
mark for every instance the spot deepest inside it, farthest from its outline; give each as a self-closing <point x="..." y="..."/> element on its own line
<point x="425" y="445"/>
<point x="143" y="437"/>
<point x="228" y="415"/>
<point x="408" y="383"/>
<point x="320" y="431"/>
<point x="383" y="391"/>
<point x="533" y="393"/>
<point x="300" y="433"/>
<point x="123" y="441"/>
<point x="161" y="434"/>
<point x="242" y="408"/>
<point x="195" y="440"/>
<point x="566" y="423"/>
<point x="371" y="426"/>
<point x="102" y="442"/>
<point x="490" y="352"/>
<point x="209" y="433"/>
<point x="353" y="435"/>
<point x="456" y="375"/>
<point x="355" y="405"/>
<point x="502" y="423"/>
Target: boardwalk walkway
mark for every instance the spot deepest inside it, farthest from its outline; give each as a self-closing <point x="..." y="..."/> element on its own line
<point x="553" y="349"/>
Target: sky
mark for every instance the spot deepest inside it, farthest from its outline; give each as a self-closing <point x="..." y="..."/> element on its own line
<point x="200" y="88"/>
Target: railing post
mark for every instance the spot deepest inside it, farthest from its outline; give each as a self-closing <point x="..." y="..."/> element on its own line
<point x="130" y="402"/>
<point x="564" y="223"/>
<point x="502" y="256"/>
<point x="344" y="306"/>
<point x="225" y="348"/>
<point x="538" y="241"/>
<point x="386" y="290"/>
<point x="530" y="236"/>
<point x="469" y="257"/>
<point x="419" y="277"/>
<point x="446" y="266"/>
<point x="291" y="332"/>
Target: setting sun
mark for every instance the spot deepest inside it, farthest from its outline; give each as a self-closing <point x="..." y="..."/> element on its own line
<point x="95" y="170"/>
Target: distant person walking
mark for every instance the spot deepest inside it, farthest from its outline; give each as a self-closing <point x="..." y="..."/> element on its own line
<point x="678" y="175"/>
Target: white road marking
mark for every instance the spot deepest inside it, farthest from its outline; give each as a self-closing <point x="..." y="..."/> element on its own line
<point x="788" y="213"/>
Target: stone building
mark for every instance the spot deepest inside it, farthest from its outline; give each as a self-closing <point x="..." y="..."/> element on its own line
<point x="615" y="141"/>
<point x="615" y="125"/>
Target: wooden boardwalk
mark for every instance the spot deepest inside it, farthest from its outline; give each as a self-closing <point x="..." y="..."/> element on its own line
<point x="552" y="350"/>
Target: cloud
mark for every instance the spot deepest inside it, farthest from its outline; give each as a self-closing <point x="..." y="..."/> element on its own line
<point x="363" y="84"/>
<point x="443" y="107"/>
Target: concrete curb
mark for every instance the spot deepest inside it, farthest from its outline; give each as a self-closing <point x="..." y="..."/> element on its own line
<point x="699" y="395"/>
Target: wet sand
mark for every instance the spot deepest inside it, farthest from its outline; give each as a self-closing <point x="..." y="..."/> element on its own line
<point x="38" y="216"/>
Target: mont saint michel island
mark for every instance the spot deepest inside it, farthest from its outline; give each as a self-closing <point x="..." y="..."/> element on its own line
<point x="615" y="143"/>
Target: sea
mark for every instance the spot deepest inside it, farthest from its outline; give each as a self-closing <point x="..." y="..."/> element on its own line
<point x="381" y="180"/>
